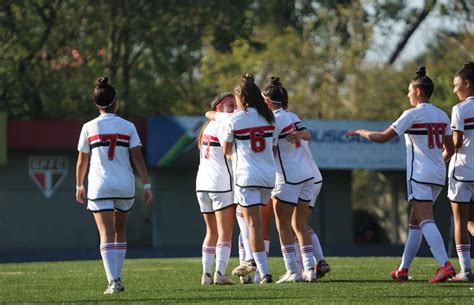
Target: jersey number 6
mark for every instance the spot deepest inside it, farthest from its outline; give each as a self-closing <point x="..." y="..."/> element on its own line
<point x="257" y="141"/>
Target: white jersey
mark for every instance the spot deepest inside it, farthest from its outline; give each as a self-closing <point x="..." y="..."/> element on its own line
<point x="253" y="137"/>
<point x="461" y="167"/>
<point x="424" y="127"/>
<point x="292" y="167"/>
<point x="318" y="178"/>
<point x="108" y="139"/>
<point x="214" y="174"/>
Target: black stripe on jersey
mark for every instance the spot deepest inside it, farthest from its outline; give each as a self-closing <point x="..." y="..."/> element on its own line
<point x="109" y="198"/>
<point x="217" y="144"/>
<point x="468" y="127"/>
<point x="97" y="144"/>
<point x="284" y="174"/>
<point x="419" y="132"/>
<point x="266" y="135"/>
<point x="255" y="186"/>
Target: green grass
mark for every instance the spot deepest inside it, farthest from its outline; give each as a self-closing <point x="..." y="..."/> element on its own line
<point x="351" y="280"/>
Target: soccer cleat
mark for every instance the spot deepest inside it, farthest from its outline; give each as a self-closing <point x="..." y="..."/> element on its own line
<point x="120" y="285"/>
<point x="309" y="275"/>
<point x="463" y="276"/>
<point x="113" y="288"/>
<point x="400" y="275"/>
<point x="322" y="268"/>
<point x="267" y="279"/>
<point x="443" y="273"/>
<point x="220" y="279"/>
<point x="206" y="279"/>
<point x="247" y="279"/>
<point x="245" y="268"/>
<point x="289" y="277"/>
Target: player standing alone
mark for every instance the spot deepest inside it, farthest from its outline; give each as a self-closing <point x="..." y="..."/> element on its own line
<point x="108" y="141"/>
<point x="429" y="145"/>
<point x="461" y="168"/>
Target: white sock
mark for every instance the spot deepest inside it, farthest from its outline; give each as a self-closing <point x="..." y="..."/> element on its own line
<point x="241" y="249"/>
<point x="222" y="256"/>
<point x="415" y="236"/>
<point x="434" y="240"/>
<point x="208" y="253"/>
<point x="261" y="261"/>
<point x="121" y="250"/>
<point x="289" y="257"/>
<point x="244" y="231"/>
<point x="317" y="250"/>
<point x="299" y="259"/>
<point x="307" y="255"/>
<point x="464" y="254"/>
<point x="267" y="246"/>
<point x="109" y="258"/>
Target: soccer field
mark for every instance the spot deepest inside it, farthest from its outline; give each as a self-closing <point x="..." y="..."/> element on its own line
<point x="351" y="280"/>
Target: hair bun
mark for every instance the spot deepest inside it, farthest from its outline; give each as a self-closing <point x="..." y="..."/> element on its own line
<point x="102" y="82"/>
<point x="468" y="65"/>
<point x="421" y="71"/>
<point x="249" y="77"/>
<point x="275" y="81"/>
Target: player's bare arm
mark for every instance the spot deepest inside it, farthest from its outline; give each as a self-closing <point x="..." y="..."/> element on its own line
<point x="458" y="137"/>
<point x="139" y="163"/>
<point x="374" y="136"/>
<point x="299" y="135"/>
<point x="448" y="147"/>
<point x="81" y="169"/>
<point x="227" y="148"/>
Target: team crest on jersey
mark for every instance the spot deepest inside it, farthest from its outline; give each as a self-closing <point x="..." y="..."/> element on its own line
<point x="48" y="173"/>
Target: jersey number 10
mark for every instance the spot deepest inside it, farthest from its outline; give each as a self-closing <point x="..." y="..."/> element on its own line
<point x="435" y="135"/>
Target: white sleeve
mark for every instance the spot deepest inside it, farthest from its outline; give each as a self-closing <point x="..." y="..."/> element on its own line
<point x="83" y="145"/>
<point x="298" y="123"/>
<point x="403" y="123"/>
<point x="457" y="122"/>
<point x="448" y="131"/>
<point x="134" y="138"/>
<point x="228" y="131"/>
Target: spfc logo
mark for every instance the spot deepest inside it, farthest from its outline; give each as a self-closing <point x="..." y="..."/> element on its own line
<point x="48" y="173"/>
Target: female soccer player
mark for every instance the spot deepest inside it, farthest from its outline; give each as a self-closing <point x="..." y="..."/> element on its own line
<point x="109" y="140"/>
<point x="252" y="131"/>
<point x="461" y="167"/>
<point x="303" y="135"/>
<point x="214" y="190"/>
<point x="429" y="145"/>
<point x="294" y="185"/>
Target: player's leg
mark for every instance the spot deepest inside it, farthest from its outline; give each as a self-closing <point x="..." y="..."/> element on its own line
<point x="300" y="227"/>
<point x="225" y="224"/>
<point x="105" y="222"/>
<point x="412" y="245"/>
<point x="247" y="264"/>
<point x="210" y="239"/>
<point x="267" y="212"/>
<point x="120" y="243"/>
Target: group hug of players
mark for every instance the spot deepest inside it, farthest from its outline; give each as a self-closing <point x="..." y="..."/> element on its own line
<point x="255" y="162"/>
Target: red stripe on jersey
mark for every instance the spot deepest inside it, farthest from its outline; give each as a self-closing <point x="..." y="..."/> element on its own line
<point x="425" y="125"/>
<point x="469" y="120"/>
<point x="97" y="137"/>
<point x="247" y="130"/>
<point x="212" y="138"/>
<point x="287" y="128"/>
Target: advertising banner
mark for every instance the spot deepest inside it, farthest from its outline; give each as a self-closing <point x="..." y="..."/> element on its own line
<point x="172" y="142"/>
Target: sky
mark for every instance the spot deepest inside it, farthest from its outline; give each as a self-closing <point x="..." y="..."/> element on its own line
<point x="385" y="44"/>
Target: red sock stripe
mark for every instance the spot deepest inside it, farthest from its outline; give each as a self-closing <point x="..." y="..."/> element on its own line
<point x="106" y="247"/>
<point x="425" y="222"/>
<point x="307" y="249"/>
<point x="224" y="244"/>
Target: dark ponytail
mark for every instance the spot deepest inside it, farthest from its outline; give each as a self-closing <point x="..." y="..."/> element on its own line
<point x="275" y="92"/>
<point x="467" y="72"/>
<point x="251" y="96"/>
<point x="104" y="94"/>
<point x="423" y="82"/>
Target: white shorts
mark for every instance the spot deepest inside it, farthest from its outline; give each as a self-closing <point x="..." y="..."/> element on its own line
<point x="250" y="196"/>
<point x="121" y="205"/>
<point x="423" y="192"/>
<point x="292" y="193"/>
<point x="460" y="192"/>
<point x="212" y="202"/>
<point x="316" y="190"/>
